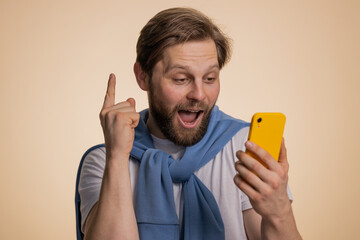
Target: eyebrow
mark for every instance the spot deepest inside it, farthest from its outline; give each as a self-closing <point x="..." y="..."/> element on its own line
<point x="185" y="67"/>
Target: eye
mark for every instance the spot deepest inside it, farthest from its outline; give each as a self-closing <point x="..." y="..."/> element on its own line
<point x="180" y="80"/>
<point x="210" y="79"/>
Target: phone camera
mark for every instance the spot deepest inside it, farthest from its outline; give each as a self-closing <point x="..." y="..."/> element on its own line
<point x="259" y="120"/>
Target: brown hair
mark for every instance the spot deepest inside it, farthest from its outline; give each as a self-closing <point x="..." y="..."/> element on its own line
<point x="174" y="26"/>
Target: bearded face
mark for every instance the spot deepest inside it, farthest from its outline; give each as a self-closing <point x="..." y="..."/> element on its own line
<point x="171" y="120"/>
<point x="182" y="91"/>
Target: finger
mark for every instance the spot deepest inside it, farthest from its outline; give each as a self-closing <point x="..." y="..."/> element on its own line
<point x="283" y="155"/>
<point x="122" y="106"/>
<point x="262" y="155"/>
<point x="119" y="106"/>
<point x="120" y="109"/>
<point x="248" y="175"/>
<point x="132" y="102"/>
<point x="257" y="169"/>
<point x="135" y="117"/>
<point x="245" y="187"/>
<point x="110" y="92"/>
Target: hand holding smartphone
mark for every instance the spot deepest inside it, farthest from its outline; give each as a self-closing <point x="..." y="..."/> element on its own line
<point x="266" y="130"/>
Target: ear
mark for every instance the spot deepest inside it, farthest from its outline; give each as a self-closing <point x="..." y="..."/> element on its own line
<point x="142" y="78"/>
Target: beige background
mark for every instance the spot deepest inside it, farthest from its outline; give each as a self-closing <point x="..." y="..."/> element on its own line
<point x="298" y="57"/>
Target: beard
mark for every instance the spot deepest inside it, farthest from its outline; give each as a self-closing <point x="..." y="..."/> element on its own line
<point x="167" y="120"/>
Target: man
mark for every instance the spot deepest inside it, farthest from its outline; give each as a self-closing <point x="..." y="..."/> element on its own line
<point x="169" y="172"/>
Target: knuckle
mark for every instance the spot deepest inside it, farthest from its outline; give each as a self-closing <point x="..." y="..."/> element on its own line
<point x="247" y="174"/>
<point x="267" y="156"/>
<point x="237" y="165"/>
<point x="274" y="183"/>
<point x="267" y="192"/>
<point x="137" y="116"/>
<point x="256" y="147"/>
<point x="237" y="180"/>
<point x="108" y="116"/>
<point x="239" y="154"/>
<point x="283" y="175"/>
<point x="256" y="166"/>
<point x="102" y="117"/>
<point x="283" y="171"/>
<point x="102" y="114"/>
<point x="257" y="198"/>
<point x="118" y="116"/>
<point x="243" y="171"/>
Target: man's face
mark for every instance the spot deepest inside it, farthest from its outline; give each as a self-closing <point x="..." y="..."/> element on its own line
<point x="182" y="92"/>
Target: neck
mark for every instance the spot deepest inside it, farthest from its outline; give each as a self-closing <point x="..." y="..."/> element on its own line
<point x="153" y="127"/>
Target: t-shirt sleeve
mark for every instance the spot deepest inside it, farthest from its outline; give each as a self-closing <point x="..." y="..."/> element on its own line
<point x="90" y="181"/>
<point x="245" y="202"/>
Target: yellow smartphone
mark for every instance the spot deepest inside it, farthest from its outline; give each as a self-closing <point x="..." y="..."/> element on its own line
<point x="266" y="130"/>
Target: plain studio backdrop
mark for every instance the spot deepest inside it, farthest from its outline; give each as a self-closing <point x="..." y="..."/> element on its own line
<point x="298" y="57"/>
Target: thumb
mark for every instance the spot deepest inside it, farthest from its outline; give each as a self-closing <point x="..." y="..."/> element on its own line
<point x="283" y="155"/>
<point x="132" y="102"/>
<point x="136" y="117"/>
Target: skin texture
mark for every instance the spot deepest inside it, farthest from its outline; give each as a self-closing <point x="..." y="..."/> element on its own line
<point x="113" y="215"/>
<point x="187" y="78"/>
<point x="267" y="191"/>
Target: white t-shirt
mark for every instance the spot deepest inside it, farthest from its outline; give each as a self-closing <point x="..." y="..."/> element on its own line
<point x="217" y="175"/>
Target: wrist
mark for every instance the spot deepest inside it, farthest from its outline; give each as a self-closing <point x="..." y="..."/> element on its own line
<point x="116" y="155"/>
<point x="116" y="166"/>
<point x="117" y="160"/>
<point x="281" y="226"/>
<point x="277" y="219"/>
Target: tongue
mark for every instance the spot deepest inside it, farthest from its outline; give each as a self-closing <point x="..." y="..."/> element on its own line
<point x="187" y="116"/>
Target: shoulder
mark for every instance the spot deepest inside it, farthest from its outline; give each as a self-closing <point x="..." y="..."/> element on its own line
<point x="229" y="120"/>
<point x="236" y="143"/>
<point x="94" y="151"/>
<point x="92" y="164"/>
<point x="238" y="139"/>
<point x="224" y="160"/>
<point x="93" y="161"/>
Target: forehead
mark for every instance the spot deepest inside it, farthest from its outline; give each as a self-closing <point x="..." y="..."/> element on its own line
<point x="191" y="54"/>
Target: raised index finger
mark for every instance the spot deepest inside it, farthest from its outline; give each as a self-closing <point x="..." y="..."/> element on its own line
<point x="110" y="92"/>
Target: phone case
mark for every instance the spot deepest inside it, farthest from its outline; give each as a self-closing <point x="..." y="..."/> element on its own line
<point x="266" y="130"/>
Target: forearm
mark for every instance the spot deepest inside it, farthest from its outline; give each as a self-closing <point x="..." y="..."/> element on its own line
<point x="113" y="217"/>
<point x="280" y="228"/>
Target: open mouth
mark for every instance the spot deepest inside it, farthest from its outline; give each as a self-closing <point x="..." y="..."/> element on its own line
<point x="190" y="118"/>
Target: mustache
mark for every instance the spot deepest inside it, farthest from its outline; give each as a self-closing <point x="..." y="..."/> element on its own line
<point x="191" y="105"/>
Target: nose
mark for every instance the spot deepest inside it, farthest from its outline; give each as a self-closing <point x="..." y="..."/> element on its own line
<point x="197" y="92"/>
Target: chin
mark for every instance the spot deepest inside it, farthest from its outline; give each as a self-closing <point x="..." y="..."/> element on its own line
<point x="186" y="136"/>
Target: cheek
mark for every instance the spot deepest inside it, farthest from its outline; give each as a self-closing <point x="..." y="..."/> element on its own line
<point x="213" y="93"/>
<point x="172" y="96"/>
